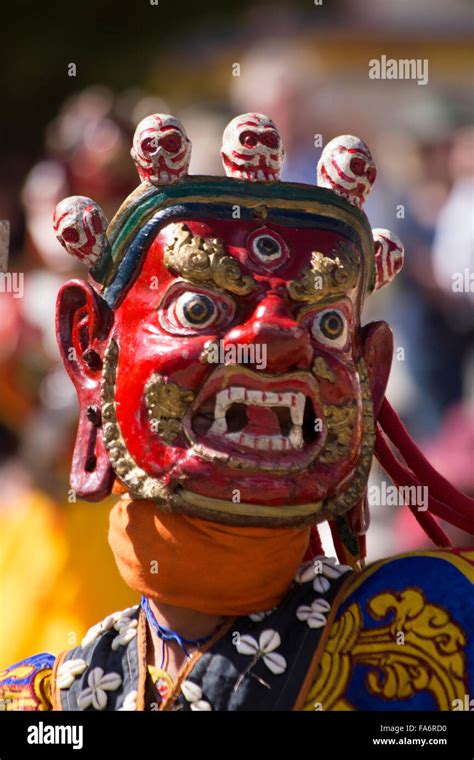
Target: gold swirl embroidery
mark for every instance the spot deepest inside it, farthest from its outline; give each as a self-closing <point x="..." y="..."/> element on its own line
<point x="429" y="655"/>
<point x="137" y="481"/>
<point x="33" y="695"/>
<point x="167" y="404"/>
<point x="341" y="422"/>
<point x="345" y="499"/>
<point x="325" y="279"/>
<point x="322" y="371"/>
<point x="204" y="260"/>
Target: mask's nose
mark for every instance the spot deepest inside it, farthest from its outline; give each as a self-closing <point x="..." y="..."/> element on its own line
<point x="286" y="343"/>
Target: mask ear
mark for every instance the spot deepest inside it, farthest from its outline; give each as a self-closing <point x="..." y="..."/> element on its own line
<point x="83" y="324"/>
<point x="377" y="350"/>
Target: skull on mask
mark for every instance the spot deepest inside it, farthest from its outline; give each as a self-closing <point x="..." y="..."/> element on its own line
<point x="80" y="227"/>
<point x="252" y="148"/>
<point x="161" y="149"/>
<point x="346" y="166"/>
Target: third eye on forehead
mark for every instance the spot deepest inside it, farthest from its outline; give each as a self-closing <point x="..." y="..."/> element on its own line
<point x="266" y="246"/>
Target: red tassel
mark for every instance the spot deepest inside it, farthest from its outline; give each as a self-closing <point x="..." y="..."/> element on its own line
<point x="315" y="548"/>
<point x="417" y="462"/>
<point x="401" y="476"/>
<point x="444" y="500"/>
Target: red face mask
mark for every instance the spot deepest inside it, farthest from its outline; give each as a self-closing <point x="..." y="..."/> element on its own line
<point x="230" y="377"/>
<point x="251" y="397"/>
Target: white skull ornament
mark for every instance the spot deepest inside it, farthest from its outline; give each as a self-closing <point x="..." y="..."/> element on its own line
<point x="161" y="149"/>
<point x="252" y="148"/>
<point x="346" y="166"/>
<point x="388" y="256"/>
<point x="80" y="226"/>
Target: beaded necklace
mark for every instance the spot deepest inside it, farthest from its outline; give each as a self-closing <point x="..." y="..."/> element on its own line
<point x="166" y="634"/>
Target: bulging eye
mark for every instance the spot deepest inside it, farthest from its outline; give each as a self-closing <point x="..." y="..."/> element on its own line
<point x="330" y="327"/>
<point x="249" y="139"/>
<point x="172" y="142"/>
<point x="193" y="312"/>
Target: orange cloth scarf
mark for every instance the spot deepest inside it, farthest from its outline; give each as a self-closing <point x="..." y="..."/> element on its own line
<point x="202" y="565"/>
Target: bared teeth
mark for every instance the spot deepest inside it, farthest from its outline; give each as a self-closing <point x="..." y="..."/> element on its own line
<point x="261" y="442"/>
<point x="295" y="402"/>
<point x="297" y="410"/>
<point x="219" y="426"/>
<point x="296" y="436"/>
<point x="255" y="398"/>
<point x="258" y="398"/>
<point x="222" y="403"/>
<point x="237" y="394"/>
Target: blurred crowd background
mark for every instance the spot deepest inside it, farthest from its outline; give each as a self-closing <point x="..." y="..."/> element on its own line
<point x="306" y="66"/>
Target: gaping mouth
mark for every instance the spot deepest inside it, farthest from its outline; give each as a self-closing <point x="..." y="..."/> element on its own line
<point x="251" y="420"/>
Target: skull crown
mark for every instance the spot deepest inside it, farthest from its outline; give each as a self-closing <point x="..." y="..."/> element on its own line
<point x="252" y="151"/>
